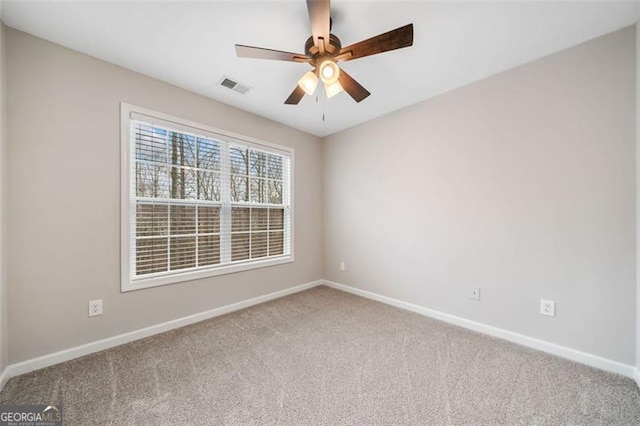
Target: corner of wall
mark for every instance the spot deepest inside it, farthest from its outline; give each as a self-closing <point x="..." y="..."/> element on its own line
<point x="3" y="282"/>
<point x="322" y="198"/>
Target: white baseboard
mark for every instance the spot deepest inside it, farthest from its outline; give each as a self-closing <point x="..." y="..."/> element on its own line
<point x="78" y="351"/>
<point x="531" y="342"/>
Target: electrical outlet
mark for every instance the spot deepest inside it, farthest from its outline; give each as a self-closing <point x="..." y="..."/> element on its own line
<point x="548" y="307"/>
<point x="95" y="307"/>
<point x="474" y="293"/>
<point x="343" y="266"/>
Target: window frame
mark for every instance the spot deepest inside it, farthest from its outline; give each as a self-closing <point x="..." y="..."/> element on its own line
<point x="127" y="283"/>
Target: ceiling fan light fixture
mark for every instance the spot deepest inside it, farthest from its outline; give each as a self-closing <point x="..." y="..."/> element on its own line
<point x="329" y="72"/>
<point x="323" y="50"/>
<point x="309" y="82"/>
<point x="332" y="89"/>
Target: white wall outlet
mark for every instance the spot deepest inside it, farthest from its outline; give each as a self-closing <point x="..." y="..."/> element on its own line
<point x="474" y="293"/>
<point x="95" y="307"/>
<point x="548" y="307"/>
<point x="343" y="266"/>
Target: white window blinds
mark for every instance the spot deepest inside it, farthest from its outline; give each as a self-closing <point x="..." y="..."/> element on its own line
<point x="202" y="202"/>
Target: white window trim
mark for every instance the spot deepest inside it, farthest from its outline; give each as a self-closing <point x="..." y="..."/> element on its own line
<point x="126" y="284"/>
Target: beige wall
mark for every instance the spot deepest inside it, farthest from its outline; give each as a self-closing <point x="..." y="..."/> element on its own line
<point x="522" y="184"/>
<point x="64" y="235"/>
<point x="3" y="283"/>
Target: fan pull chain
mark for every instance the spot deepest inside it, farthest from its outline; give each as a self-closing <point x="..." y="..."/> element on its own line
<point x="317" y="101"/>
<point x="323" y="105"/>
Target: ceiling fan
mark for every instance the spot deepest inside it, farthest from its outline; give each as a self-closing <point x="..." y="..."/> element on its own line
<point x="323" y="50"/>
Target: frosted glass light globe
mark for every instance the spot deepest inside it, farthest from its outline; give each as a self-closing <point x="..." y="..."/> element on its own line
<point x="329" y="72"/>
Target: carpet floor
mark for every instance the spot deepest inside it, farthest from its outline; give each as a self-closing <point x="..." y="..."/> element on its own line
<point x="326" y="357"/>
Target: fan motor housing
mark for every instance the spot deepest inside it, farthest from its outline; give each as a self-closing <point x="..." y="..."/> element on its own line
<point x="331" y="48"/>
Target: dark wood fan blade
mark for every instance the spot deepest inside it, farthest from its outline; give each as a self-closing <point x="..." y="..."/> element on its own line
<point x="262" y="53"/>
<point x="392" y="40"/>
<point x="319" y="18"/>
<point x="295" y="96"/>
<point x="352" y="87"/>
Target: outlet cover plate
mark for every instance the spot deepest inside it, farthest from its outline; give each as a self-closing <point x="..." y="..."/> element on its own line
<point x="548" y="307"/>
<point x="474" y="293"/>
<point x="95" y="307"/>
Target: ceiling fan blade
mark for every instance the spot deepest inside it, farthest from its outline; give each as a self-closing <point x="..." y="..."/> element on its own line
<point x="262" y="53"/>
<point x="295" y="96"/>
<point x="391" y="40"/>
<point x="319" y="17"/>
<point x="352" y="87"/>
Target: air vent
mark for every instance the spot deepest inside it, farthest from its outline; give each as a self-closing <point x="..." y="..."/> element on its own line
<point x="228" y="83"/>
<point x="234" y="85"/>
<point x="241" y="89"/>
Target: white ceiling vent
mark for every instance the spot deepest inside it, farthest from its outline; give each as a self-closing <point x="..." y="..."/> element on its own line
<point x="234" y="85"/>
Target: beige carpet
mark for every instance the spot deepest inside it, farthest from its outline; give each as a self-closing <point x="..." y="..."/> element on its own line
<point x="327" y="357"/>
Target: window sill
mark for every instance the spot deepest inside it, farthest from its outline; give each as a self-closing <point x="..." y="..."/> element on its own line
<point x="139" y="284"/>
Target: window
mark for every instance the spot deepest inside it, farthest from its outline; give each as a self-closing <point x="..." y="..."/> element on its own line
<point x="199" y="202"/>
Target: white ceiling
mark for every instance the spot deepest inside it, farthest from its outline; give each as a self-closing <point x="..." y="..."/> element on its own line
<point x="191" y="45"/>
